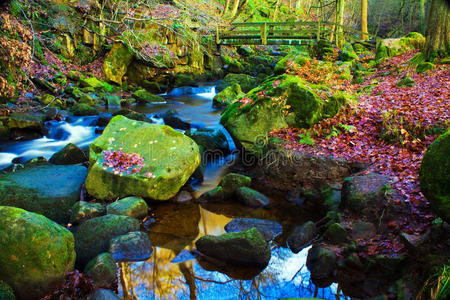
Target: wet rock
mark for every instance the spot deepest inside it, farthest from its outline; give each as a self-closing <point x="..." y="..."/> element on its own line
<point x="153" y="87"/>
<point x="251" y="197"/>
<point x="299" y="58"/>
<point x="245" y="248"/>
<point x="145" y="96"/>
<point x="176" y="122"/>
<point x="69" y="155"/>
<point x="52" y="114"/>
<point x="6" y="292"/>
<point x="82" y="211"/>
<point x="435" y="176"/>
<point x="91" y="82"/>
<point x="103" y="294"/>
<point x="183" y="197"/>
<point x="336" y="234"/>
<point x="25" y="121"/>
<point x="321" y="263"/>
<point x="133" y="207"/>
<point x="50" y="190"/>
<point x="212" y="140"/>
<point x="103" y="120"/>
<point x="301" y="236"/>
<point x="363" y="229"/>
<point x="133" y="246"/>
<point x="214" y="195"/>
<point x="93" y="236"/>
<point x="177" y="158"/>
<point x="184" y="80"/>
<point x="84" y="110"/>
<point x="413" y="241"/>
<point x="366" y="195"/>
<point x="4" y="133"/>
<point x="102" y="269"/>
<point x="269" y="229"/>
<point x="232" y="181"/>
<point x="245" y="50"/>
<point x="36" y="252"/>
<point x="113" y="101"/>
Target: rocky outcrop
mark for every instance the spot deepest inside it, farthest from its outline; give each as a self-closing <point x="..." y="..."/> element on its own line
<point x="36" y="252"/>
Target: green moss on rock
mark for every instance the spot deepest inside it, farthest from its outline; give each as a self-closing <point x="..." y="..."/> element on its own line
<point x="36" y="252"/>
<point x="145" y="96"/>
<point x="425" y="66"/>
<point x="116" y="63"/>
<point x="229" y="95"/>
<point x="435" y="176"/>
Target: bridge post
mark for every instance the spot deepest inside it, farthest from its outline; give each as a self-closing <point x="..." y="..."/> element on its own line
<point x="263" y="30"/>
<point x="217" y="35"/>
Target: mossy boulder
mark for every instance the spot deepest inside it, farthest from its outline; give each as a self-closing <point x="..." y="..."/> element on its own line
<point x="302" y="236"/>
<point x="246" y="248"/>
<point x="144" y="96"/>
<point x="93" y="236"/>
<point x="82" y="211"/>
<point x="84" y="109"/>
<point x="425" y="66"/>
<point x="245" y="81"/>
<point x="169" y="159"/>
<point x="232" y="65"/>
<point x="283" y="101"/>
<point x="116" y="63"/>
<point x="92" y="82"/>
<point x="435" y="176"/>
<point x="184" y="80"/>
<point x="25" y="121"/>
<point x="102" y="269"/>
<point x="69" y="155"/>
<point x="6" y="292"/>
<point x="298" y="58"/>
<point x="232" y="181"/>
<point x="336" y="234"/>
<point x="228" y="96"/>
<point x="45" y="189"/>
<point x="406" y="81"/>
<point x="321" y="263"/>
<point x="395" y="46"/>
<point x="250" y="197"/>
<point x="245" y="50"/>
<point x="133" y="207"/>
<point x="133" y="246"/>
<point x="347" y="53"/>
<point x="36" y="252"/>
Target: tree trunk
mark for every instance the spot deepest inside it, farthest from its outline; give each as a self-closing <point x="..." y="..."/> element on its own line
<point x="438" y="30"/>
<point x="340" y="7"/>
<point x="365" y="32"/>
<point x="225" y="9"/>
<point x="277" y="9"/>
<point x="234" y="10"/>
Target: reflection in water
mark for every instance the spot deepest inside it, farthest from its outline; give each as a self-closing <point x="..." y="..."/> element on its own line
<point x="159" y="278"/>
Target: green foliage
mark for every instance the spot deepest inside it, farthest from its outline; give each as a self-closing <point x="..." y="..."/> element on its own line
<point x="437" y="287"/>
<point x="306" y="139"/>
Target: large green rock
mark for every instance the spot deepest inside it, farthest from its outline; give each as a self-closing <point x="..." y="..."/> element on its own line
<point x="283" y="101"/>
<point x="298" y="58"/>
<point x="169" y="156"/>
<point x="93" y="236"/>
<point x="133" y="207"/>
<point x="395" y="46"/>
<point x="36" y="252"/>
<point x="116" y="63"/>
<point x="228" y="96"/>
<point x="246" y="248"/>
<point x="435" y="176"/>
<point x="69" y="155"/>
<point x="246" y="82"/>
<point x="144" y="96"/>
<point x="45" y="189"/>
<point x="102" y="270"/>
<point x="25" y="121"/>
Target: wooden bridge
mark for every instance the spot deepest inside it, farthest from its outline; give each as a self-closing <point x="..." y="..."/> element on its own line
<point x="285" y="33"/>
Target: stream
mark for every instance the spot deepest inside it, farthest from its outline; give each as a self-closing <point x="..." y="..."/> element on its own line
<point x="174" y="228"/>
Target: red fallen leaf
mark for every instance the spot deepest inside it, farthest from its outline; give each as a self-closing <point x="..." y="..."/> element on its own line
<point x="392" y="224"/>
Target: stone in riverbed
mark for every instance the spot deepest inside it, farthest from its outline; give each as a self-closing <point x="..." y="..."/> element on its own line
<point x="116" y="62"/>
<point x="251" y="197"/>
<point x="82" y="211"/>
<point x="133" y="246"/>
<point x="69" y="155"/>
<point x="36" y="253"/>
<point x="336" y="234"/>
<point x="102" y="269"/>
<point x="321" y="263"/>
<point x="214" y="195"/>
<point x="232" y="181"/>
<point x="169" y="156"/>
<point x="45" y="189"/>
<point x="145" y="96"/>
<point x="93" y="236"/>
<point x="228" y="96"/>
<point x="246" y="248"/>
<point x="268" y="228"/>
<point x="133" y="207"/>
<point x="301" y="236"/>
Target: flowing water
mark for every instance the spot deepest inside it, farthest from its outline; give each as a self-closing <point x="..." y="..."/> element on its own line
<point x="171" y="272"/>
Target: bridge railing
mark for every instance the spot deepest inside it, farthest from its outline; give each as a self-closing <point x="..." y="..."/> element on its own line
<point x="261" y="32"/>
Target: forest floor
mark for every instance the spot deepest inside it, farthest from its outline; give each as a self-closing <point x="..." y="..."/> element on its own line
<point x="390" y="127"/>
